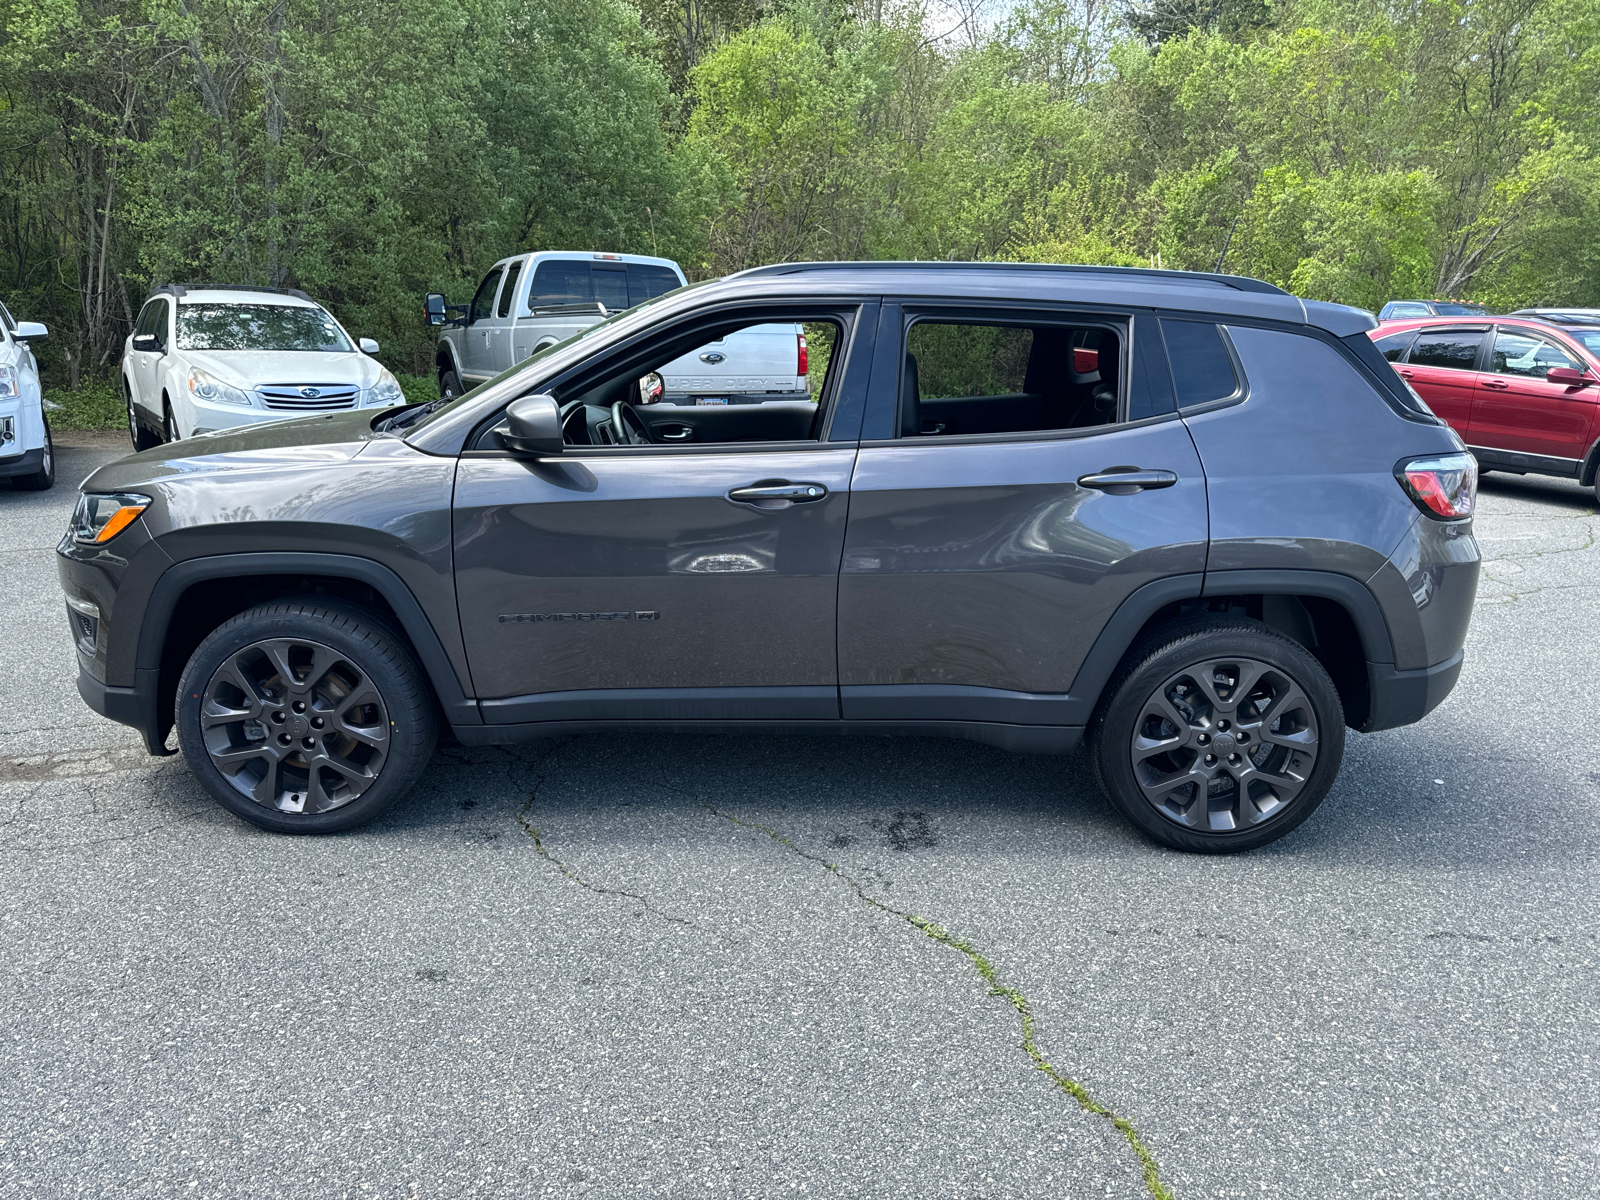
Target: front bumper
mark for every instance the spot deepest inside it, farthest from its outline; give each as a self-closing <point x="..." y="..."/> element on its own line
<point x="29" y="462"/>
<point x="135" y="706"/>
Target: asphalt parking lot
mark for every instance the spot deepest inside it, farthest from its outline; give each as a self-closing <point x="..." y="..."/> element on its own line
<point x="668" y="966"/>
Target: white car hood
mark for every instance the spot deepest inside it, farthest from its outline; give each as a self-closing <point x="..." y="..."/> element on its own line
<point x="251" y="368"/>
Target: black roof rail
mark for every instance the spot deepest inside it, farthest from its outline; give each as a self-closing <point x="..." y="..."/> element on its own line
<point x="180" y="289"/>
<point x="1242" y="283"/>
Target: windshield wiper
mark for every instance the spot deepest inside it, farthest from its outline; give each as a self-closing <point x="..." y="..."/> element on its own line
<point x="411" y="414"/>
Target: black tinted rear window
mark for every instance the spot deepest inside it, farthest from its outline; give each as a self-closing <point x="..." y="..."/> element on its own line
<point x="646" y="282"/>
<point x="1456" y="350"/>
<point x="1202" y="368"/>
<point x="1394" y="346"/>
<point x="560" y="281"/>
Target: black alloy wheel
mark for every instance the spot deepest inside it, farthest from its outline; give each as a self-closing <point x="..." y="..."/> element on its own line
<point x="1219" y="737"/>
<point x="449" y="385"/>
<point x="305" y="716"/>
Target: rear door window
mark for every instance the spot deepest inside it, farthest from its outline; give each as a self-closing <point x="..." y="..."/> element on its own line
<point x="1452" y="349"/>
<point x="508" y="293"/>
<point x="1202" y="368"/>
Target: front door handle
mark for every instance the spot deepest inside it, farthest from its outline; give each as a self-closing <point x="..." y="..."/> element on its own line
<point x="777" y="493"/>
<point x="1125" y="481"/>
<point x="1498" y="385"/>
<point x="1408" y="374"/>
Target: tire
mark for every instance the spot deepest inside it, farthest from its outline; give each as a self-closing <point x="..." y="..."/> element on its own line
<point x="45" y="476"/>
<point x="169" y="423"/>
<point x="1259" y="784"/>
<point x="141" y="437"/>
<point x="331" y="751"/>
<point x="450" y="385"/>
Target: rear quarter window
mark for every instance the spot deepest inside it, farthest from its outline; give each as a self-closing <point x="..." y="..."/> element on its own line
<point x="1202" y="368"/>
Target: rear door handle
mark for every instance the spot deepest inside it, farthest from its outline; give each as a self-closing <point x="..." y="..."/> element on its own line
<point x="777" y="493"/>
<point x="1125" y="481"/>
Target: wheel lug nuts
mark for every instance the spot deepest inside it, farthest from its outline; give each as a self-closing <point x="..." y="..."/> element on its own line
<point x="299" y="706"/>
<point x="308" y="743"/>
<point x="1233" y="758"/>
<point x="1210" y="759"/>
<point x="279" y="717"/>
<point x="1222" y="724"/>
<point x="316" y="722"/>
<point x="283" y="739"/>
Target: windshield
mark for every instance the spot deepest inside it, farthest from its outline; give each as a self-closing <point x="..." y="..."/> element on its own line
<point x="1460" y="310"/>
<point x="1589" y="339"/>
<point x="258" y="327"/>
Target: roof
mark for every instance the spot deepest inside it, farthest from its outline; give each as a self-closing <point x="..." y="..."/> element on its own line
<point x="1195" y="291"/>
<point x="233" y="293"/>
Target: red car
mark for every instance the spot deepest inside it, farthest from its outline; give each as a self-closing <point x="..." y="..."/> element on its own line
<point x="1523" y="392"/>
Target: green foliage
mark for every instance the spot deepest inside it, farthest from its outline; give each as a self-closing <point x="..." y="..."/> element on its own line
<point x="1351" y="150"/>
<point x="96" y="405"/>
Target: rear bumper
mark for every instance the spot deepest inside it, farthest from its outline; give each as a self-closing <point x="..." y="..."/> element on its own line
<point x="1403" y="697"/>
<point x="135" y="706"/>
<point x="29" y="462"/>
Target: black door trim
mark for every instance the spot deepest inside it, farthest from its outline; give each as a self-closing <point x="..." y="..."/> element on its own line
<point x="819" y="703"/>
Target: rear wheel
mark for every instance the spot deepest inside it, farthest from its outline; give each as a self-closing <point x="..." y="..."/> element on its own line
<point x="449" y="385"/>
<point x="1218" y="736"/>
<point x="305" y="716"/>
<point x="45" y="476"/>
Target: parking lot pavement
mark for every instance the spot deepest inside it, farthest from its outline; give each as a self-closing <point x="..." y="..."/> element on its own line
<point x="647" y="965"/>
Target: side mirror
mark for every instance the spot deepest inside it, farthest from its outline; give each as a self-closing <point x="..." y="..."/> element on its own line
<point x="651" y="388"/>
<point x="368" y="346"/>
<point x="533" y="426"/>
<point x="146" y="342"/>
<point x="1570" y="376"/>
<point x="30" y="331"/>
<point x="433" y="310"/>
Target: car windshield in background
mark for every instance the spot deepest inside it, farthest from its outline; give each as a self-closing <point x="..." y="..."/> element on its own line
<point x="1589" y="339"/>
<point x="258" y="327"/>
<point x="1460" y="310"/>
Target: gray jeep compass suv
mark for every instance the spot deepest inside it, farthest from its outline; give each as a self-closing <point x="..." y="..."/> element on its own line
<point x="1189" y="519"/>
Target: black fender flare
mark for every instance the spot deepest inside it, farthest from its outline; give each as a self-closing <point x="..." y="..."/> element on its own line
<point x="447" y="348"/>
<point x="459" y="709"/>
<point x="1591" y="465"/>
<point x="1144" y="602"/>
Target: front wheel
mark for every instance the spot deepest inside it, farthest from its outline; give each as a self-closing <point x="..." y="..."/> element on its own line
<point x="449" y="385"/>
<point x="169" y="423"/>
<point x="45" y="476"/>
<point x="1218" y="736"/>
<point x="305" y="716"/>
<point x="141" y="437"/>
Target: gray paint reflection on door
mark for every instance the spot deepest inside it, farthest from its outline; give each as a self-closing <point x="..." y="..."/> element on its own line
<point x="986" y="565"/>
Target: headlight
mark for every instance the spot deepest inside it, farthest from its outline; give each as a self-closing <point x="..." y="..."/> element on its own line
<point x="208" y="388"/>
<point x="386" y="391"/>
<point x="100" y="516"/>
<point x="10" y="382"/>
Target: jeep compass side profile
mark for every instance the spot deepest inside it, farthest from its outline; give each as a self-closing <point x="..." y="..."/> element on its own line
<point x="1189" y="520"/>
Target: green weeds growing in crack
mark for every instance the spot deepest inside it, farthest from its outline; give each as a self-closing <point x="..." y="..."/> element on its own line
<point x="543" y="852"/>
<point x="997" y="987"/>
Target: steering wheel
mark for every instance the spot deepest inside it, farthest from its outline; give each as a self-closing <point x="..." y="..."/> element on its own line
<point x="625" y="423"/>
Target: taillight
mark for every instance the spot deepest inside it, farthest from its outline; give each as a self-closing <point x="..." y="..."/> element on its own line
<point x="801" y="339"/>
<point x="1443" y="485"/>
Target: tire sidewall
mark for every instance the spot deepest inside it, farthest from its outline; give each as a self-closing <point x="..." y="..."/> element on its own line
<point x="1161" y="658"/>
<point x="373" y="646"/>
<point x="450" y="377"/>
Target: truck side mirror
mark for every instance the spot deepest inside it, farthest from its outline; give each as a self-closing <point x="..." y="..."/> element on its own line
<point x="533" y="426"/>
<point x="433" y="308"/>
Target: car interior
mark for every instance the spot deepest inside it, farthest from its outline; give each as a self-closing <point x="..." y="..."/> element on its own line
<point x="974" y="379"/>
<point x="621" y="409"/>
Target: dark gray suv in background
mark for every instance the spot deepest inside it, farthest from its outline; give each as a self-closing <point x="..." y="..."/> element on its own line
<point x="1189" y="518"/>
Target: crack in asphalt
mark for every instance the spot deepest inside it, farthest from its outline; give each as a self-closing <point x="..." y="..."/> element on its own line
<point x="997" y="987"/>
<point x="566" y="870"/>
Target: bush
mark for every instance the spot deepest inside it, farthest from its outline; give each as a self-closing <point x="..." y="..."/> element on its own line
<point x="98" y="405"/>
<point x="417" y="388"/>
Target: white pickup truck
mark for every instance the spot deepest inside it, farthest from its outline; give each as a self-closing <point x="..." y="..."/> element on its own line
<point x="533" y="300"/>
